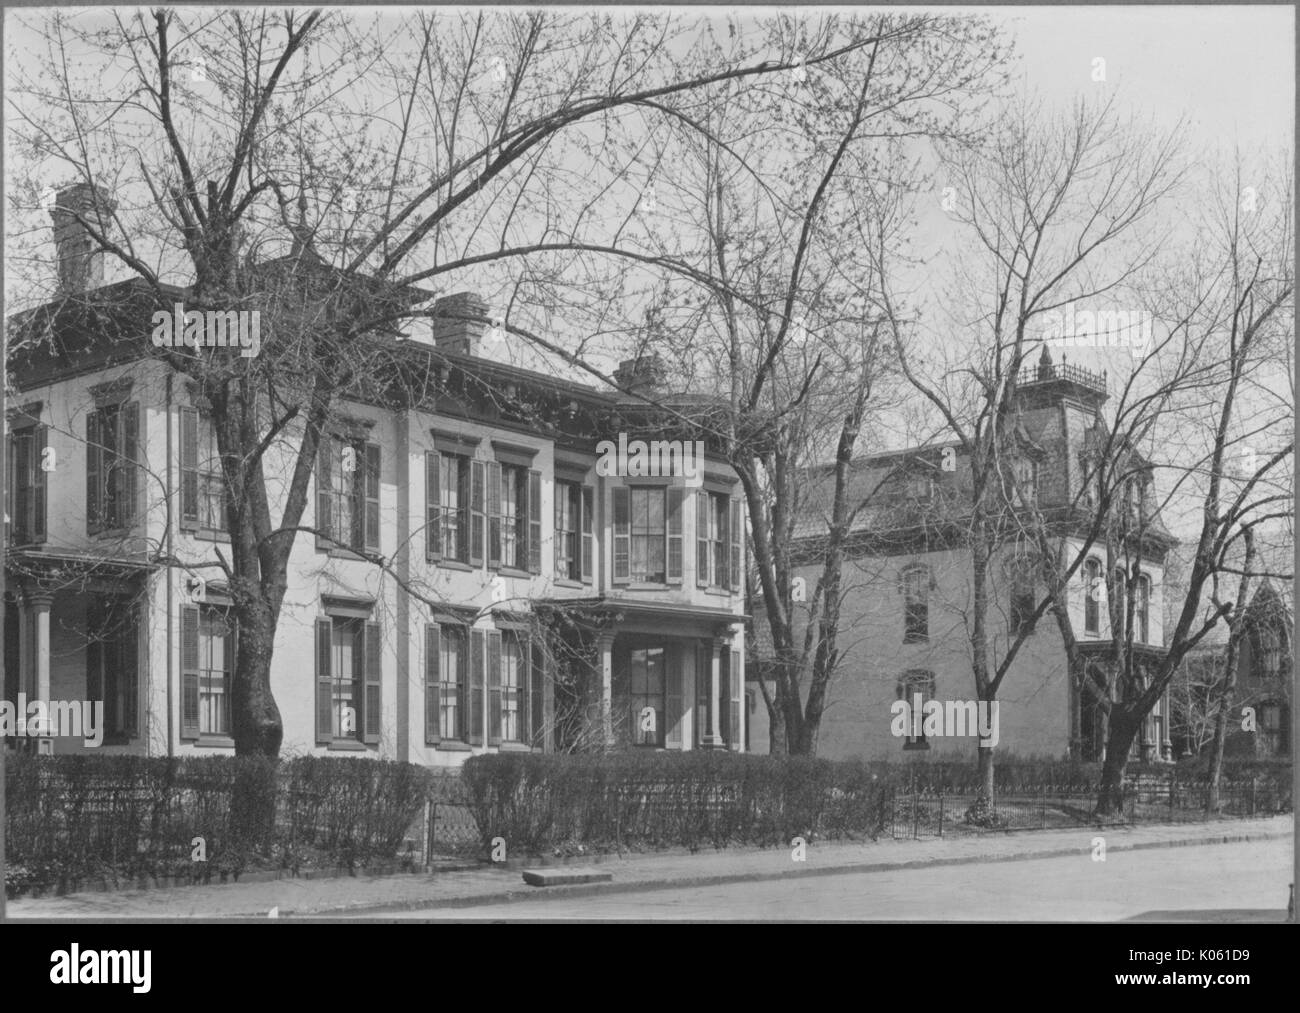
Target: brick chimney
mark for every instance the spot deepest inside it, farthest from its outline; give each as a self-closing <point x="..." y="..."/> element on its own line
<point x="641" y="375"/>
<point x="461" y="336"/>
<point x="80" y="263"/>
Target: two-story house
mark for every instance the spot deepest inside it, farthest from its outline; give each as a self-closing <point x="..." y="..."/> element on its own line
<point x="479" y="490"/>
<point x="907" y="594"/>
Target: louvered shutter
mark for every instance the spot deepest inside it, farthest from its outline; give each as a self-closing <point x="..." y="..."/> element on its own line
<point x="324" y="493"/>
<point x="702" y="537"/>
<point x="562" y="567"/>
<point x="534" y="522"/>
<point x="374" y="662"/>
<point x="494" y="687"/>
<point x="476" y="662"/>
<point x="737" y="545"/>
<point x="494" y="514"/>
<point x="189" y="672"/>
<point x="675" y="497"/>
<point x="588" y="539"/>
<point x="189" y="468"/>
<point x="736" y="683"/>
<point x="94" y="469"/>
<point x="36" y="530"/>
<point x="622" y="535"/>
<point x="324" y="687"/>
<point x="673" y="702"/>
<point x="372" y="497"/>
<point x="478" y="520"/>
<point x="432" y="685"/>
<point x="433" y="505"/>
<point x="537" y="694"/>
<point x="128" y="465"/>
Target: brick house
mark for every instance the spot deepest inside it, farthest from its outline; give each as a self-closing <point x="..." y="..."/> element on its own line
<point x="907" y="590"/>
<point x="493" y="520"/>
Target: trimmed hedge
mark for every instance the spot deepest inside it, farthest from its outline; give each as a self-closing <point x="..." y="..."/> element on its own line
<point x="70" y="819"/>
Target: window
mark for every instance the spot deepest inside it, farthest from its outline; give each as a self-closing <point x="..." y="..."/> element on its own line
<point x="1142" y="610"/>
<point x="112" y="664"/>
<point x="514" y="516"/>
<point x="647" y="668"/>
<point x="1274" y="728"/>
<point x="207" y="667"/>
<point x="202" y="482"/>
<point x="1094" y="590"/>
<point x="1026" y="473"/>
<point x="347" y="494"/>
<point x="112" y="437"/>
<point x="916" y="605"/>
<point x="915" y="688"/>
<point x="712" y="539"/>
<point x="648" y="534"/>
<point x="919" y="487"/>
<point x="573" y="531"/>
<point x="1268" y="649"/>
<point x="25" y="485"/>
<point x="1023" y="603"/>
<point x="446" y="663"/>
<point x="348" y="686"/>
<point x="448" y="479"/>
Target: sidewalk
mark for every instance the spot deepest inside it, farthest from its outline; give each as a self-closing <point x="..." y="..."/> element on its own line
<point x="375" y="894"/>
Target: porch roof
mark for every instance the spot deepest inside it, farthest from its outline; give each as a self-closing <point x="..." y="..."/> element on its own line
<point x="603" y="605"/>
<point x="55" y="570"/>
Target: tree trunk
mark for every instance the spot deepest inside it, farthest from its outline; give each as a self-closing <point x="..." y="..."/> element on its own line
<point x="1221" y="723"/>
<point x="258" y="729"/>
<point x="1121" y="729"/>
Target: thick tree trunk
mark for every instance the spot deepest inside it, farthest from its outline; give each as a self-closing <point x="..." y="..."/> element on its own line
<point x="1221" y="724"/>
<point x="1121" y="729"/>
<point x="258" y="729"/>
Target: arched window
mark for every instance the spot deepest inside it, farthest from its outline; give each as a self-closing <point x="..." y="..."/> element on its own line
<point x="915" y="688"/>
<point x="1142" y="611"/>
<point x="916" y="604"/>
<point x="1094" y="591"/>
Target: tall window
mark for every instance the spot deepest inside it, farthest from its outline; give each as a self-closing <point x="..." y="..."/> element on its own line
<point x="916" y="687"/>
<point x="347" y="494"/>
<point x="1023" y="603"/>
<point x="648" y="677"/>
<point x="573" y="531"/>
<point x="1026" y="472"/>
<point x="449" y="495"/>
<point x="1268" y="650"/>
<point x="111" y="664"/>
<point x="25" y="485"/>
<point x="514" y="686"/>
<point x="1142" y="610"/>
<point x="207" y="667"/>
<point x="514" y="516"/>
<point x="713" y="540"/>
<point x="348" y="680"/>
<point x="112" y="435"/>
<point x="446" y="661"/>
<point x="916" y="605"/>
<point x="1094" y="591"/>
<point x="202" y="483"/>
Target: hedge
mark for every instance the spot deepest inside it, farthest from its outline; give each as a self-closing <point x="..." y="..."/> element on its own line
<point x="71" y="819"/>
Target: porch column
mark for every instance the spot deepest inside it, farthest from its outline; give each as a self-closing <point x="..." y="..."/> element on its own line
<point x="40" y="604"/>
<point x="605" y="651"/>
<point x="712" y="738"/>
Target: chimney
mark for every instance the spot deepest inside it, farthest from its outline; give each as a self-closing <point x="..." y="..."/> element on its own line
<point x="461" y="336"/>
<point x="80" y="262"/>
<point x="642" y="374"/>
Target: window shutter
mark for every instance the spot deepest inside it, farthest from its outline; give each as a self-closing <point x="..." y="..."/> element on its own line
<point x="189" y="671"/>
<point x="494" y="514"/>
<point x="702" y="504"/>
<point x="372" y="497"/>
<point x="525" y="692"/>
<point x="588" y="540"/>
<point x="736" y="683"/>
<point x="94" y="468"/>
<point x="432" y="689"/>
<point x="562" y="570"/>
<point x="432" y="505"/>
<point x="36" y="530"/>
<point x="189" y="468"/>
<point x="737" y="545"/>
<point x="476" y="661"/>
<point x="675" y="498"/>
<point x="537" y="694"/>
<point x="128" y="666"/>
<point x="673" y="703"/>
<point x="324" y="689"/>
<point x="477" y="519"/>
<point x="534" y="522"/>
<point x="374" y="654"/>
<point x="494" y="687"/>
<point x="125" y="499"/>
<point x="703" y="675"/>
<point x="324" y="490"/>
<point x="622" y="534"/>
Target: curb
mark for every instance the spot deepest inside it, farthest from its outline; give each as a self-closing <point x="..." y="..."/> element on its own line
<point x="524" y="892"/>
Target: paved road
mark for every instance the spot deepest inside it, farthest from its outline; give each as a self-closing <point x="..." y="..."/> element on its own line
<point x="1128" y="884"/>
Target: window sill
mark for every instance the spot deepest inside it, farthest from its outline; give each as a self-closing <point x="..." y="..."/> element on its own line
<point x="453" y="746"/>
<point x="216" y="741"/>
<point x="646" y="586"/>
<point x="346" y="746"/>
<point x="207" y="534"/>
<point x="104" y="533"/>
<point x="915" y="640"/>
<point x="568" y="582"/>
<point x="514" y="747"/>
<point x="718" y="592"/>
<point x="453" y="564"/>
<point x="510" y="571"/>
<point x="117" y="739"/>
<point x="337" y="553"/>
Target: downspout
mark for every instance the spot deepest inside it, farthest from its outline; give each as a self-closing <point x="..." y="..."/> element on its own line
<point x="171" y="733"/>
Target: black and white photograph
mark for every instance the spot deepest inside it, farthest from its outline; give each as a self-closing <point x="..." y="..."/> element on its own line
<point x="570" y="464"/>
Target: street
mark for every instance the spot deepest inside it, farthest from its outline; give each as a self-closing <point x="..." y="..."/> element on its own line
<point x="1128" y="884"/>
